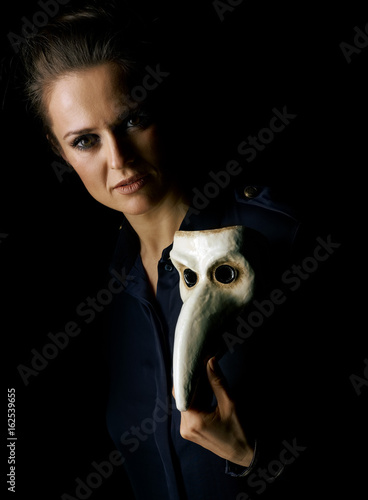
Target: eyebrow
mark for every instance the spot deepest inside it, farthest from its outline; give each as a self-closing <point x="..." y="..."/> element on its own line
<point x="78" y="132"/>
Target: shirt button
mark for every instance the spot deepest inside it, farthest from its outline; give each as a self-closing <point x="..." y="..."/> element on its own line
<point x="250" y="192"/>
<point x="168" y="267"/>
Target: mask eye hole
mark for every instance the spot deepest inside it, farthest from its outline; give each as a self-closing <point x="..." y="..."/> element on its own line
<point x="225" y="274"/>
<point x="190" y="277"/>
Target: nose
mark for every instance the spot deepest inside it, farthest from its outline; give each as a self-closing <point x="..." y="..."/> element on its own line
<point x="119" y="152"/>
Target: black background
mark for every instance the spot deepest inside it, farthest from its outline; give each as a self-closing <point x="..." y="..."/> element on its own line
<point x="228" y="77"/>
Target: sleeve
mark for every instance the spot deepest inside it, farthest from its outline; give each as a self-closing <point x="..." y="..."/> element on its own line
<point x="236" y="470"/>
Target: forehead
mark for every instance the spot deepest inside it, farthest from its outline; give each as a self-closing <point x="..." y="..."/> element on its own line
<point x="96" y="93"/>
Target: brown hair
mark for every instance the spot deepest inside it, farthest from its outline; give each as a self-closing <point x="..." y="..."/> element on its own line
<point x="80" y="39"/>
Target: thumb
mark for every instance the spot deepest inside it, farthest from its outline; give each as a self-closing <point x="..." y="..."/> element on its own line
<point x="218" y="385"/>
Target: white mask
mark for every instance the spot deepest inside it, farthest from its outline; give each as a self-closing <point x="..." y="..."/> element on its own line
<point x="216" y="281"/>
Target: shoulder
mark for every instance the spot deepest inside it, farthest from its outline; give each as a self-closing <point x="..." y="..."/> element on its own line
<point x="264" y="209"/>
<point x="267" y="198"/>
<point x="268" y="211"/>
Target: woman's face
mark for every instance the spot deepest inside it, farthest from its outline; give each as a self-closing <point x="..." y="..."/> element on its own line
<point x="109" y="140"/>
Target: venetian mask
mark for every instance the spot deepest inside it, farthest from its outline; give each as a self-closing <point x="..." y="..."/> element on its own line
<point x="216" y="281"/>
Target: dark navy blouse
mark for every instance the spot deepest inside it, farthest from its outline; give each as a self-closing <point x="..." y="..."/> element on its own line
<point x="141" y="416"/>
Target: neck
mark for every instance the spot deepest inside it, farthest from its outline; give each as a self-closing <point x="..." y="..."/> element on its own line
<point x="156" y="228"/>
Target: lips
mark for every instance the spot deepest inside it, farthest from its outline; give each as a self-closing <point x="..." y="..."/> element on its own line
<point x="130" y="180"/>
<point x="131" y="184"/>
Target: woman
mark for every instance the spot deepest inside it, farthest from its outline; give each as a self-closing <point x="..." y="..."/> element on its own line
<point x="83" y="73"/>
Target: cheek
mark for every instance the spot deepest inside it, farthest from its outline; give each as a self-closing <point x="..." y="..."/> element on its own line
<point x="90" y="174"/>
<point x="148" y="144"/>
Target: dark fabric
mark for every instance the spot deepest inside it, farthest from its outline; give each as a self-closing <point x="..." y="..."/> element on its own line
<point x="142" y="418"/>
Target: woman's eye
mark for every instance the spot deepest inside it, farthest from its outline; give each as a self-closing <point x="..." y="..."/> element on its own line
<point x="85" y="142"/>
<point x="141" y="119"/>
<point x="135" y="121"/>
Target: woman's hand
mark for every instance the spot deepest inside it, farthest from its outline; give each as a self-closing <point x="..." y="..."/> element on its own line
<point x="220" y="430"/>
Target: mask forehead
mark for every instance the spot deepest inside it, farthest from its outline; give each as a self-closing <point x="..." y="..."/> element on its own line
<point x="198" y="250"/>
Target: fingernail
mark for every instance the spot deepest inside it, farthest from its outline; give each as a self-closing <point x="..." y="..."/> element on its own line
<point x="212" y="363"/>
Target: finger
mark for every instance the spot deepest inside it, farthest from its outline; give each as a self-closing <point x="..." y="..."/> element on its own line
<point x="217" y="383"/>
<point x="173" y="392"/>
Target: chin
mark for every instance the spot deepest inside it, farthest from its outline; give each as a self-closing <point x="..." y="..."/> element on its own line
<point x="136" y="206"/>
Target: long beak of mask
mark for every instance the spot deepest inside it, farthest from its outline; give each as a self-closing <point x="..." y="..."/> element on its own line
<point x="216" y="281"/>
